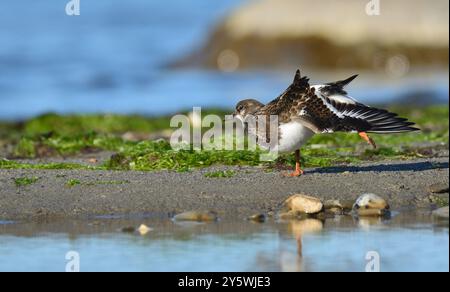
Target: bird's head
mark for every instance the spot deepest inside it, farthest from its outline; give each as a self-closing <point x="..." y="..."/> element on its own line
<point x="246" y="108"/>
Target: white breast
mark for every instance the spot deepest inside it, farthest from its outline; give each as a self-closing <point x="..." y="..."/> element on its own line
<point x="293" y="135"/>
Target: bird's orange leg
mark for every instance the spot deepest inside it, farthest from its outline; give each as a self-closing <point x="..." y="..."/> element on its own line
<point x="298" y="171"/>
<point x="367" y="139"/>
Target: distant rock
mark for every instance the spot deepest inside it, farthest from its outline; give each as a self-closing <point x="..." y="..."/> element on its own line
<point x="287" y="33"/>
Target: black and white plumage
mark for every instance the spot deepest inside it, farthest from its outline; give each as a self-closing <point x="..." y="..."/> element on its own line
<point x="304" y="110"/>
<point x="357" y="117"/>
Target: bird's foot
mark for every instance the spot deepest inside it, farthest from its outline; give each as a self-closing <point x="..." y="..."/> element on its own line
<point x="366" y="138"/>
<point x="296" y="173"/>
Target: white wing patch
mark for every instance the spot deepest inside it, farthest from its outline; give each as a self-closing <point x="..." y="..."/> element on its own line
<point x="320" y="95"/>
<point x="338" y="98"/>
<point x="342" y="99"/>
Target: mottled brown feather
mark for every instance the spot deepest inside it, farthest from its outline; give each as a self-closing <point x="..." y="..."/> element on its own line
<point x="299" y="102"/>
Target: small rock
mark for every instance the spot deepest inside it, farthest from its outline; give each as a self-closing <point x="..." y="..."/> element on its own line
<point x="304" y="204"/>
<point x="438" y="188"/>
<point x="370" y="201"/>
<point x="199" y="216"/>
<point x="144" y="229"/>
<point x="330" y="204"/>
<point x="441" y="213"/>
<point x="344" y="205"/>
<point x="335" y="211"/>
<point x="371" y="205"/>
<point x="260" y="218"/>
<point x="129" y="229"/>
<point x="347" y="204"/>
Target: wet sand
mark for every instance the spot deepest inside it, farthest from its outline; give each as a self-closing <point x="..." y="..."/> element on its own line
<point x="405" y="184"/>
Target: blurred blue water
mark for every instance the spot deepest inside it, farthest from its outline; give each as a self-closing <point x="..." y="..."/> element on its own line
<point x="113" y="58"/>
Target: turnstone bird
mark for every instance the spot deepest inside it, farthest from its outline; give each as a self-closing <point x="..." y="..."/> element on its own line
<point x="304" y="110"/>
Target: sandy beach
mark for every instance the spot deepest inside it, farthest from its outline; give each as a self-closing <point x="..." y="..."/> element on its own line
<point x="405" y="184"/>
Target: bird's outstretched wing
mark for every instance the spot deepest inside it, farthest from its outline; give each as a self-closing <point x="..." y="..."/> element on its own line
<point x="355" y="116"/>
<point x="327" y="108"/>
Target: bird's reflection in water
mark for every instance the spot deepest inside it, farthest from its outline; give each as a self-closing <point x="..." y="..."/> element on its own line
<point x="294" y="261"/>
<point x="289" y="260"/>
<point x="293" y="253"/>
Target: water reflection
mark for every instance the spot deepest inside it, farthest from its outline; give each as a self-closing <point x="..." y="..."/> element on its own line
<point x="297" y="229"/>
<point x="406" y="242"/>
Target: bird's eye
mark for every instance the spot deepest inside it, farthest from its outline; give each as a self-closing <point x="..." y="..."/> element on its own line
<point x="240" y="108"/>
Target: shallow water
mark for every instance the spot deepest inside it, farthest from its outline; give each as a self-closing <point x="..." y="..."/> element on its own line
<point x="114" y="57"/>
<point x="404" y="243"/>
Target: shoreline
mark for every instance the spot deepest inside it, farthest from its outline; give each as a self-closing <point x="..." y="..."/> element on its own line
<point x="405" y="184"/>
